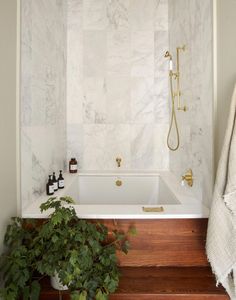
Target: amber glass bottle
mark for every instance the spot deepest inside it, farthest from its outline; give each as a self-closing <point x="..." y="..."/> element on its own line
<point x="61" y="182"/>
<point x="55" y="182"/>
<point x="73" y="165"/>
<point x="50" y="186"/>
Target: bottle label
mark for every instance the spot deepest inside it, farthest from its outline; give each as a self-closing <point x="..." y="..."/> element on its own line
<point x="55" y="184"/>
<point x="51" y="189"/>
<point x="73" y="167"/>
<point x="61" y="183"/>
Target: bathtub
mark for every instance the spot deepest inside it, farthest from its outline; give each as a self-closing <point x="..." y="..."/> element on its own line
<point x="126" y="195"/>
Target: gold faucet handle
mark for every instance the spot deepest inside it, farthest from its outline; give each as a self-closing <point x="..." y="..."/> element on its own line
<point x="118" y="161"/>
<point x="188" y="177"/>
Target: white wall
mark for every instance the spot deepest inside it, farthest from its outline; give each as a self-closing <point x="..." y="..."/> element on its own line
<point x="226" y="65"/>
<point x="8" y="202"/>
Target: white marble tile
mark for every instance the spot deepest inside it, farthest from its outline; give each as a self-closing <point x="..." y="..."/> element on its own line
<point x="161" y="100"/>
<point x="95" y="15"/>
<point x="118" y="14"/>
<point x="94" y="100"/>
<point x="190" y="23"/>
<point x="142" y="100"/>
<point x="74" y="71"/>
<point x="118" y="100"/>
<point x="161" y="15"/>
<point x="161" y="46"/>
<point x="38" y="103"/>
<point x="161" y="151"/>
<point x="74" y="56"/>
<point x="117" y="145"/>
<point x="118" y="53"/>
<point x="94" y="138"/>
<point x="118" y="65"/>
<point x="74" y="14"/>
<point x="110" y="141"/>
<point x="43" y="94"/>
<point x="142" y="53"/>
<point x="75" y="143"/>
<point x="43" y="160"/>
<point x="74" y="103"/>
<point x="94" y="54"/>
<point x="142" y="146"/>
<point x="142" y="13"/>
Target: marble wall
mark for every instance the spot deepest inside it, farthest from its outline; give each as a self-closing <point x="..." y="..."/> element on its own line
<point x="43" y="93"/>
<point x="190" y="23"/>
<point x="94" y="85"/>
<point x="117" y="84"/>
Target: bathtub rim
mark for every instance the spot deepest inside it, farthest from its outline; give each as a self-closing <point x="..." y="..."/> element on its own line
<point x="189" y="206"/>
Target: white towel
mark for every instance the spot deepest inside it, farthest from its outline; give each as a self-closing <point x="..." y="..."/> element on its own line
<point x="221" y="235"/>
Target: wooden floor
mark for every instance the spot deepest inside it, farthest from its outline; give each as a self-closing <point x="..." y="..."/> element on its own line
<point x="162" y="283"/>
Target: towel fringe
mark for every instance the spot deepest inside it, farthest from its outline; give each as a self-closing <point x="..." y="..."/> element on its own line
<point x="224" y="276"/>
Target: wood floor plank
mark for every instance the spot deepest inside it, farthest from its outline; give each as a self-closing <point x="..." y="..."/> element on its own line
<point x="167" y="242"/>
<point x="165" y="283"/>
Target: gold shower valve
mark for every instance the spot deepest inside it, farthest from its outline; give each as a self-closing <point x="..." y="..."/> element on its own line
<point x="188" y="177"/>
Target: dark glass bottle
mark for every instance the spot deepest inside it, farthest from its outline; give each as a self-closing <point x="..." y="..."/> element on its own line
<point x="50" y="186"/>
<point x="61" y="182"/>
<point x="55" y="182"/>
<point x="73" y="165"/>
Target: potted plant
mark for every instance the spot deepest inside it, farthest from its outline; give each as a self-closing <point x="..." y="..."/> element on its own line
<point x="81" y="254"/>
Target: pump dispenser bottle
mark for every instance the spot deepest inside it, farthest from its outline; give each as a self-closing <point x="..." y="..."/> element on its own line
<point x="55" y="182"/>
<point x="61" y="182"/>
<point x="50" y="186"/>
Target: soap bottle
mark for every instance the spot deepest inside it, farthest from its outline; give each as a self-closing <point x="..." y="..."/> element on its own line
<point x="61" y="182"/>
<point x="50" y="186"/>
<point x="73" y="165"/>
<point x="55" y="182"/>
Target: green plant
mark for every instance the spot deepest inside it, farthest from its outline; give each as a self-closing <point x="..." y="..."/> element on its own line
<point x="82" y="253"/>
<point x="17" y="263"/>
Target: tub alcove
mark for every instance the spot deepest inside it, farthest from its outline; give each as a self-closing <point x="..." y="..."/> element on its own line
<point x="95" y="86"/>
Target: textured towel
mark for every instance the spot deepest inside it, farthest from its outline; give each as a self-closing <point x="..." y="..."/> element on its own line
<point x="221" y="235"/>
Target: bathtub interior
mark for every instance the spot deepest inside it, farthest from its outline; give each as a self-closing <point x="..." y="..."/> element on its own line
<point x="134" y="190"/>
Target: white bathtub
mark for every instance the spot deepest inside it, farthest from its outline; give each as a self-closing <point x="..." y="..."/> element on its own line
<point x="98" y="196"/>
<point x="134" y="190"/>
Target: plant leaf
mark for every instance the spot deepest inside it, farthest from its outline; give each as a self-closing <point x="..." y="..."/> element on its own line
<point x="76" y="295"/>
<point x="26" y="293"/>
<point x="35" y="290"/>
<point x="100" y="295"/>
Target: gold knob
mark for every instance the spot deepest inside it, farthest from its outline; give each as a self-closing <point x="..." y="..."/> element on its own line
<point x="118" y="182"/>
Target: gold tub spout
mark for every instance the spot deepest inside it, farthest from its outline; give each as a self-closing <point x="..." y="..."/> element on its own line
<point x="153" y="209"/>
<point x="118" y="162"/>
